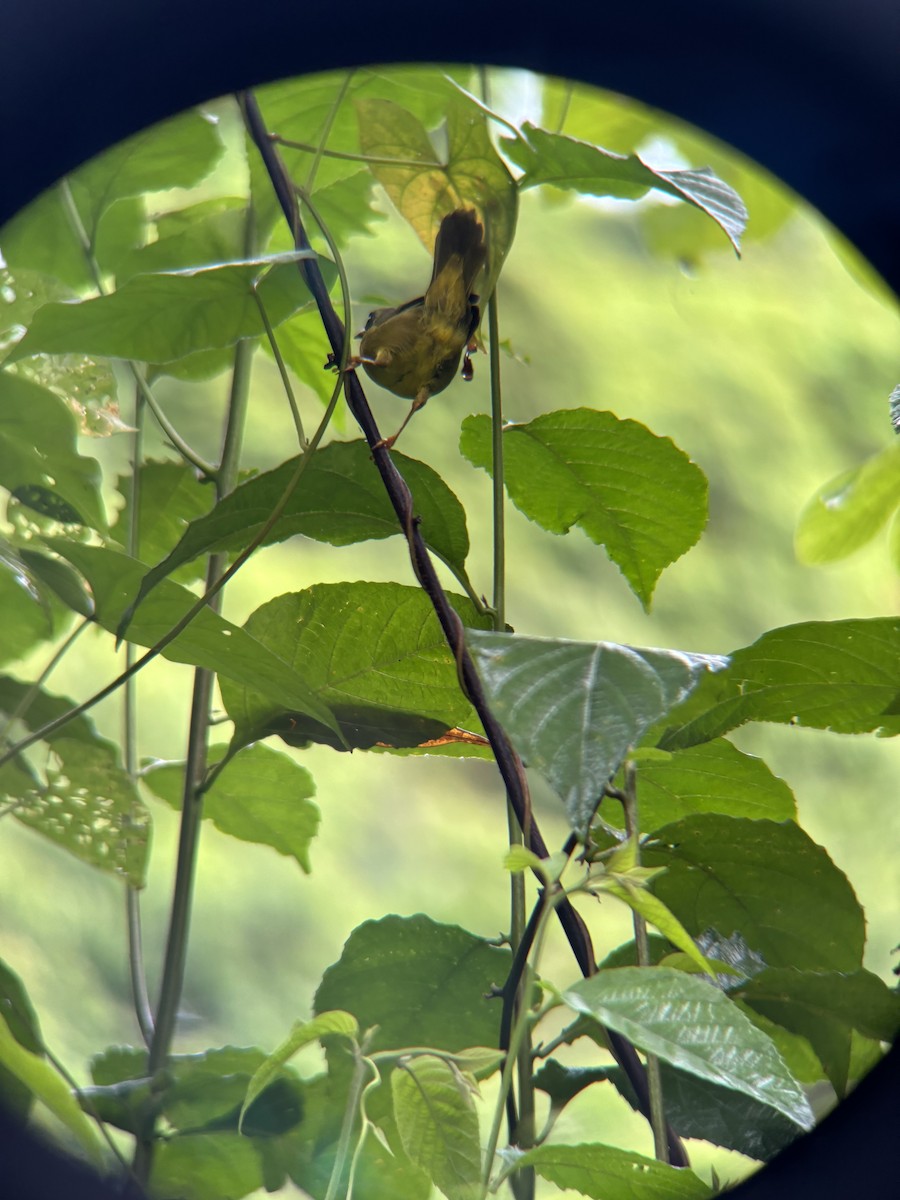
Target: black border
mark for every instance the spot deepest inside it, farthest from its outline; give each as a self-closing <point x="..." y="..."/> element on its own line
<point x="808" y="88"/>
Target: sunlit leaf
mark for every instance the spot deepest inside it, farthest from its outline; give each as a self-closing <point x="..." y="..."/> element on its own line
<point x="438" y="1125"/>
<point x="339" y="499"/>
<point x="157" y="318"/>
<point x="426" y="184"/>
<point x="838" y="675"/>
<point x="38" y="451"/>
<point x="261" y="796"/>
<point x="711" y="777"/>
<point x="849" y="510"/>
<point x="574" y="709"/>
<point x="633" y="492"/>
<point x="171" y="496"/>
<point x="565" y="162"/>
<point x="689" y="1023"/>
<point x="48" y="1087"/>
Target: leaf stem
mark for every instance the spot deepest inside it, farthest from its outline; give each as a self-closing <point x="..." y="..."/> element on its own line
<point x="143" y="1009"/>
<point x="654" y="1079"/>
<point x="348" y="156"/>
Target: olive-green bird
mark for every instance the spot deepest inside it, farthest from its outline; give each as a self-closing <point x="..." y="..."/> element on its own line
<point x="414" y="350"/>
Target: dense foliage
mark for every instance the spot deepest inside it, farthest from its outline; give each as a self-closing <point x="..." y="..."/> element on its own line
<point x="751" y="987"/>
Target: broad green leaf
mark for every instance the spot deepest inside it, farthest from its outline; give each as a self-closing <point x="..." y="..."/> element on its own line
<point x="62" y="581"/>
<point x="176" y="153"/>
<point x="608" y="1173"/>
<point x="213" y="231"/>
<point x="696" y="1108"/>
<point x="171" y="496"/>
<point x="574" y="709"/>
<point x="261" y="796"/>
<point x="426" y="184"/>
<point x="89" y="806"/>
<point x="39" y="460"/>
<point x="824" y="1007"/>
<point x="438" y="1125"/>
<point x="28" y="617"/>
<point x="711" y="777"/>
<point x="565" y="162"/>
<point x="373" y="653"/>
<point x="633" y="492"/>
<point x="767" y="881"/>
<point x="22" y="1022"/>
<point x="157" y="318"/>
<point x="302" y="1033"/>
<point x="689" y="1023"/>
<point x="48" y="1087"/>
<point x="208" y="641"/>
<point x="838" y="675"/>
<point x="849" y="510"/>
<point x="421" y="983"/>
<point x="339" y="499"/>
<point x="206" y="1166"/>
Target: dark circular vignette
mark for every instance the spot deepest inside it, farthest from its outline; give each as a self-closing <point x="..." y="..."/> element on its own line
<point x="808" y="88"/>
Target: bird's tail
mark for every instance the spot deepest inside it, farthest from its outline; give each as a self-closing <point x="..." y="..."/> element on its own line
<point x="459" y="254"/>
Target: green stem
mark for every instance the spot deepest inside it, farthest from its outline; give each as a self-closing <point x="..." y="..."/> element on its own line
<point x="195" y="768"/>
<point x="357" y="1085"/>
<point x="654" y="1079"/>
<point x="326" y="131"/>
<point x="34" y="690"/>
<point x="140" y="996"/>
<point x="347" y="156"/>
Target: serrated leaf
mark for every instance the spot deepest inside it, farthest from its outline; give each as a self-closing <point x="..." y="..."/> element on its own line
<point x="838" y="675"/>
<point x="340" y="499"/>
<point x="630" y="491"/>
<point x="302" y="1033"/>
<point x="768" y="881"/>
<point x="209" y="641"/>
<point x="48" y="1087"/>
<point x="373" y="653"/>
<point x="573" y="709"/>
<point x="850" y="509"/>
<point x="261" y="796"/>
<point x="691" y="1024"/>
<point x="420" y="982"/>
<point x="712" y="777"/>
<point x="608" y="1173"/>
<point x="166" y="316"/>
<point x="824" y="1007"/>
<point x="438" y="1125"/>
<point x="425" y="186"/>
<point x="38" y="451"/>
<point x="566" y="162"/>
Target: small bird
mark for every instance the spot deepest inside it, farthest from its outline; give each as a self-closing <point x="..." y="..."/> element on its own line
<point x="414" y="350"/>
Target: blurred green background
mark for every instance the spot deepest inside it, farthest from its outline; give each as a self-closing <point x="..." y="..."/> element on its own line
<point x="771" y="372"/>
